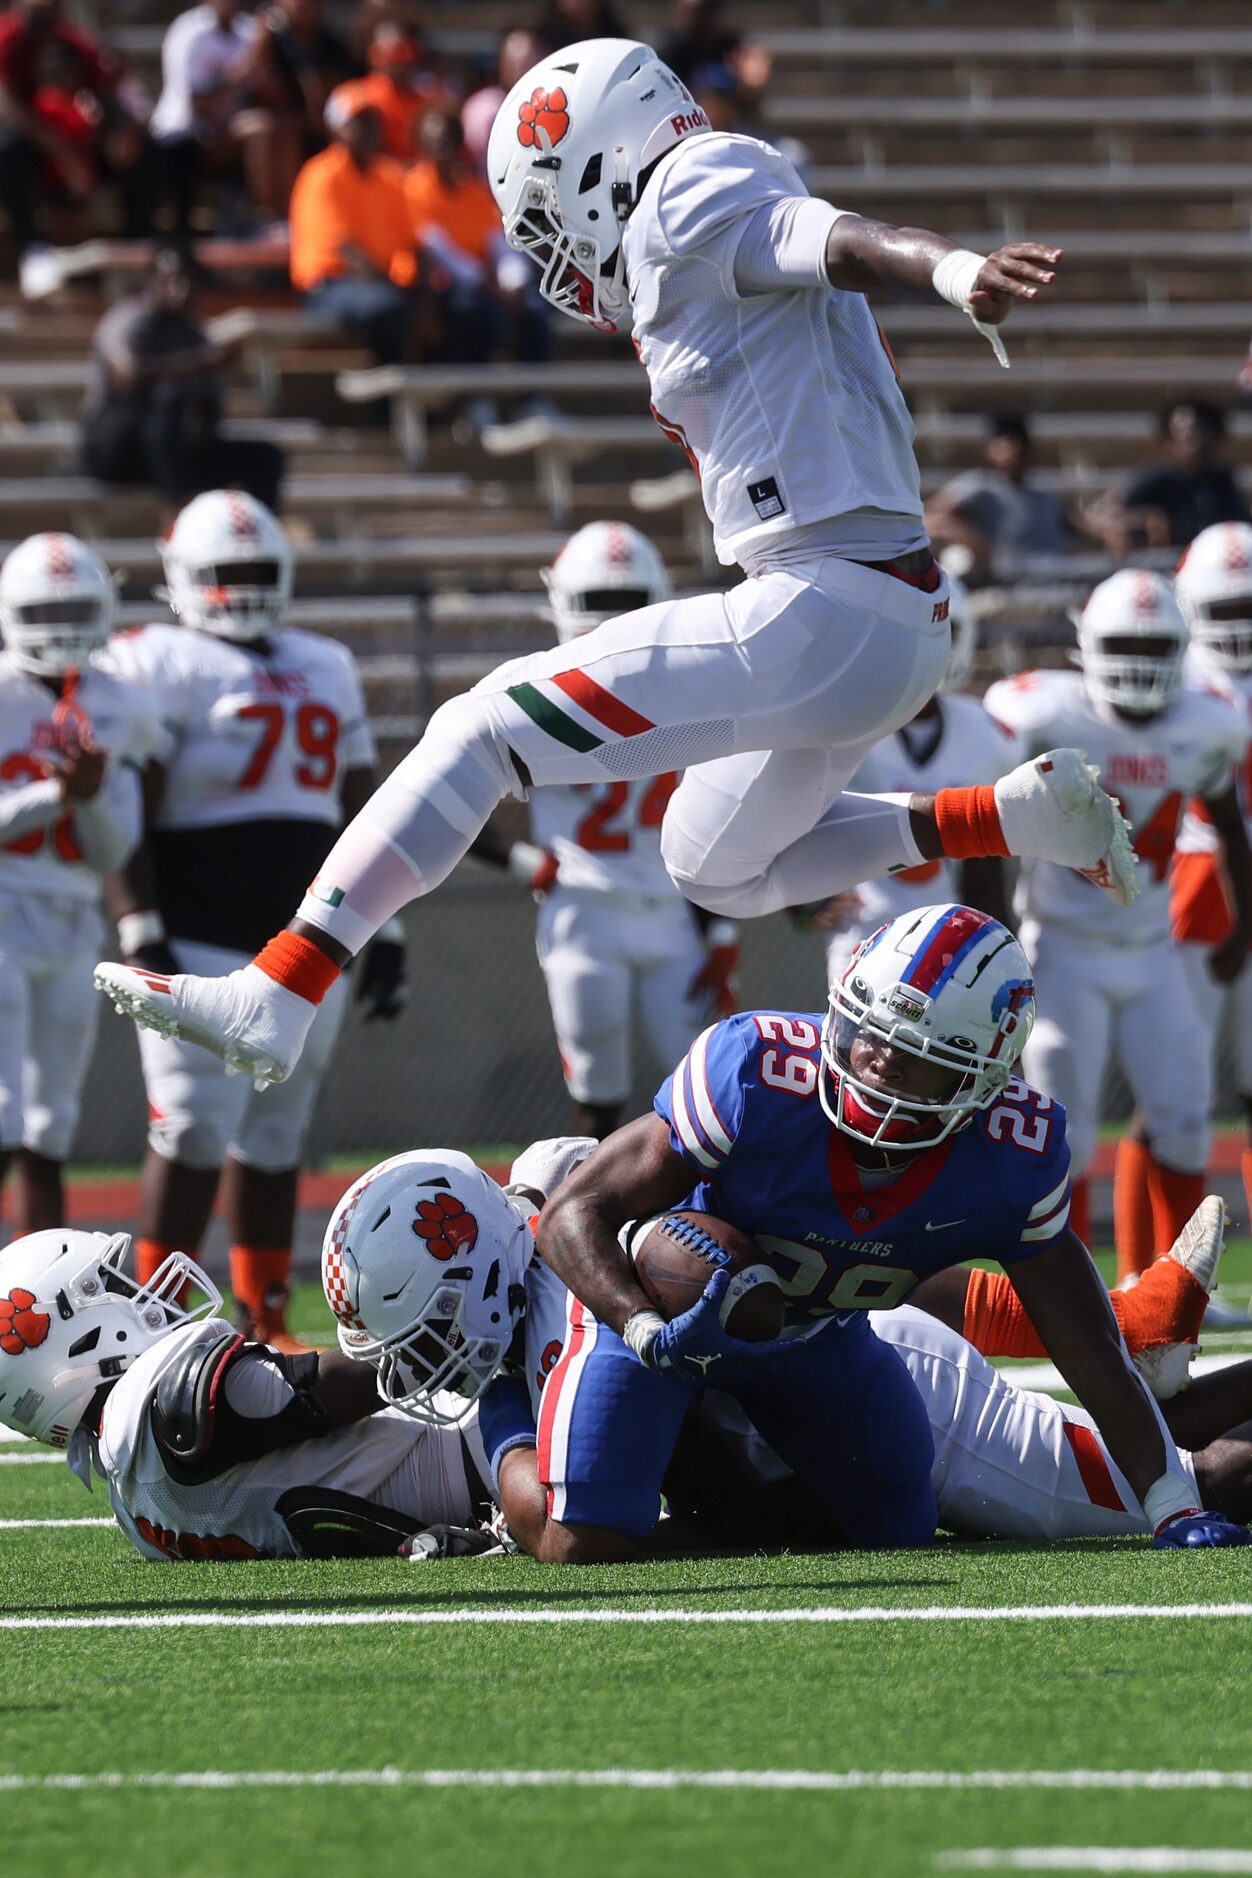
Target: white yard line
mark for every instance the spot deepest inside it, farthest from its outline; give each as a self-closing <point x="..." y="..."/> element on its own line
<point x="1048" y="1380"/>
<point x="32" y="1460"/>
<point x="22" y="1525"/>
<point x="666" y="1778"/>
<point x="1098" y="1858"/>
<point x="818" y="1614"/>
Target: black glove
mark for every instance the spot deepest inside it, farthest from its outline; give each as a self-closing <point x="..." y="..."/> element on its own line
<point x="381" y="981"/>
<point x="451" y="1542"/>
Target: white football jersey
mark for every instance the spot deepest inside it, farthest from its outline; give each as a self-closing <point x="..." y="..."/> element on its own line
<point x="412" y="1468"/>
<point x="32" y="721"/>
<point x="787" y="403"/>
<point x="1191" y="749"/>
<point x="971" y="748"/>
<point x="606" y="836"/>
<point x="248" y="736"/>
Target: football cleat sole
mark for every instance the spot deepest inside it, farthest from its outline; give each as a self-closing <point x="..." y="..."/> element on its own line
<point x="146" y="997"/>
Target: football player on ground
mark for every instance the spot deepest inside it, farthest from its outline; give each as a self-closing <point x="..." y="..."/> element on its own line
<point x="1214" y="589"/>
<point x="614" y="934"/>
<point x="862" y="1153"/>
<point x="765" y="362"/>
<point x="952" y="743"/>
<point x="1111" y="979"/>
<point x="264" y="746"/>
<point x="213" y="1447"/>
<point x="71" y="738"/>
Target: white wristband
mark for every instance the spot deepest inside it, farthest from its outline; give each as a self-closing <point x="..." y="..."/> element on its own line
<point x="525" y="860"/>
<point x="1166" y="1499"/>
<point x="640" y="1332"/>
<point x="954" y="279"/>
<point x="136" y="930"/>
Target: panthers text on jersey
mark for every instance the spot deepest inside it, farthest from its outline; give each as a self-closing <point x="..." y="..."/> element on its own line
<point x="254" y="742"/>
<point x="1152" y="766"/>
<point x="743" y="1110"/>
<point x="35" y="724"/>
<point x="961" y="745"/>
<point x="268" y="1441"/>
<point x="787" y="402"/>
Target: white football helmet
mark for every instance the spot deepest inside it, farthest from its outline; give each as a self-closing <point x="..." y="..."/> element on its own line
<point x="605" y="569"/>
<point x="564" y="159"/>
<point x="1214" y="589"/>
<point x="423" y="1265"/>
<point x="924" y="1027"/>
<point x="71" y="1319"/>
<point x="960" y="667"/>
<point x="56" y="604"/>
<point x="1132" y="639"/>
<point x="228" y="566"/>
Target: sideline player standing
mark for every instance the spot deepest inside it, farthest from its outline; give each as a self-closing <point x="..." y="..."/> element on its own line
<point x="765" y="362"/>
<point x="612" y="927"/>
<point x="71" y="738"/>
<point x="1110" y="978"/>
<point x="952" y="743"/>
<point x="263" y="737"/>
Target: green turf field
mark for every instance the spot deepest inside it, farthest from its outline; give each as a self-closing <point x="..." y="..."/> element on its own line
<point x="715" y="1716"/>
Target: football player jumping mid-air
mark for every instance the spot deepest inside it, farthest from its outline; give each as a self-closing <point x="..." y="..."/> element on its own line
<point x="747" y="298"/>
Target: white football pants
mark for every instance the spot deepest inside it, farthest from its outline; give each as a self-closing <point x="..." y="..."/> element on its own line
<point x="1098" y="996"/>
<point x="775" y="690"/>
<point x="47" y="1017"/>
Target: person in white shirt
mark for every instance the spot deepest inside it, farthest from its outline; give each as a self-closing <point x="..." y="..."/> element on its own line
<point x="71" y="740"/>
<point x="1111" y="980"/>
<point x="765" y="362"/>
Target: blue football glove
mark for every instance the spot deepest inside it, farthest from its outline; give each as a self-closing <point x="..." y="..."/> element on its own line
<point x="1200" y="1529"/>
<point x="694" y="1345"/>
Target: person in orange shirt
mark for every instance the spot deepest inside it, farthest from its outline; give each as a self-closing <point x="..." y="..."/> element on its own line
<point x="352" y="248"/>
<point x="481" y="297"/>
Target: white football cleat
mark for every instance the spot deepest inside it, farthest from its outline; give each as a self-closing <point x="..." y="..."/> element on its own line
<point x="1053" y="809"/>
<point x="253" y="1023"/>
<point x="1198" y="1249"/>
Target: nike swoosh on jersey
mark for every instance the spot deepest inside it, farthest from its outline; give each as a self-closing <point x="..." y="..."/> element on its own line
<point x="941" y="1225"/>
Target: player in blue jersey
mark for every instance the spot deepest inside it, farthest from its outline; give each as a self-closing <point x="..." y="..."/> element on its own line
<point x="863" y="1153"/>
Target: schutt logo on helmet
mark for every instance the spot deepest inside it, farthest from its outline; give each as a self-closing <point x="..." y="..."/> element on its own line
<point x="543" y="110"/>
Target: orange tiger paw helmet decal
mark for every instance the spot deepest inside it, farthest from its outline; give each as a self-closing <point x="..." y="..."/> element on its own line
<point x="445" y="1226"/>
<point x="21" y="1328"/>
<point x="543" y="110"/>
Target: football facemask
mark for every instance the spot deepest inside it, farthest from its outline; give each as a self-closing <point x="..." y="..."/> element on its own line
<point x="924" y="1027"/>
<point x="604" y="569"/>
<point x="1132" y="639"/>
<point x="228" y="567"/>
<point x="1214" y="589"/>
<point x="56" y="604"/>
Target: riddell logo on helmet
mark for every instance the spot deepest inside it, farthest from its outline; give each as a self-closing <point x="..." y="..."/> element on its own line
<point x="694" y="119"/>
<point x="21" y="1327"/>
<point x="446" y="1227"/>
<point x="546" y="111"/>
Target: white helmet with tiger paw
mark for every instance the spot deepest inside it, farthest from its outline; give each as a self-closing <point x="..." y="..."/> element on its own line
<point x="1132" y="640"/>
<point x="605" y="569"/>
<point x="1214" y="588"/>
<point x="423" y="1266"/>
<point x="72" y="1320"/>
<point x="56" y="604"/>
<point x="566" y="152"/>
<point x="924" y="1027"/>
<point x="228" y="566"/>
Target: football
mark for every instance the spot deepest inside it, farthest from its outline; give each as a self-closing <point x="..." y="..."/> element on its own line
<point x="675" y="1256"/>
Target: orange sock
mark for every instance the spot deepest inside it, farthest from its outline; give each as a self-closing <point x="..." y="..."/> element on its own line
<point x="1245" y="1168"/>
<point x="297" y="964"/>
<point x="1175" y="1198"/>
<point x="995" y="1318"/>
<point x="969" y="823"/>
<point x="1166" y="1306"/>
<point x="1133" y="1231"/>
<point x="149" y="1253"/>
<point x="255" y="1273"/>
<point x="1080" y="1209"/>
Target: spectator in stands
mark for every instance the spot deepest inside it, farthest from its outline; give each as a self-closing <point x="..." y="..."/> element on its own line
<point x="1167" y="504"/>
<point x="721" y="96"/>
<point x="563" y="22"/>
<point x="481" y="295"/>
<point x="519" y="50"/>
<point x="402" y="86"/>
<point x="999" y="511"/>
<point x="352" y="250"/>
<point x="212" y="117"/>
<point x="702" y="40"/>
<point x="66" y="118"/>
<point x="306" y="60"/>
<point x="153" y="409"/>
